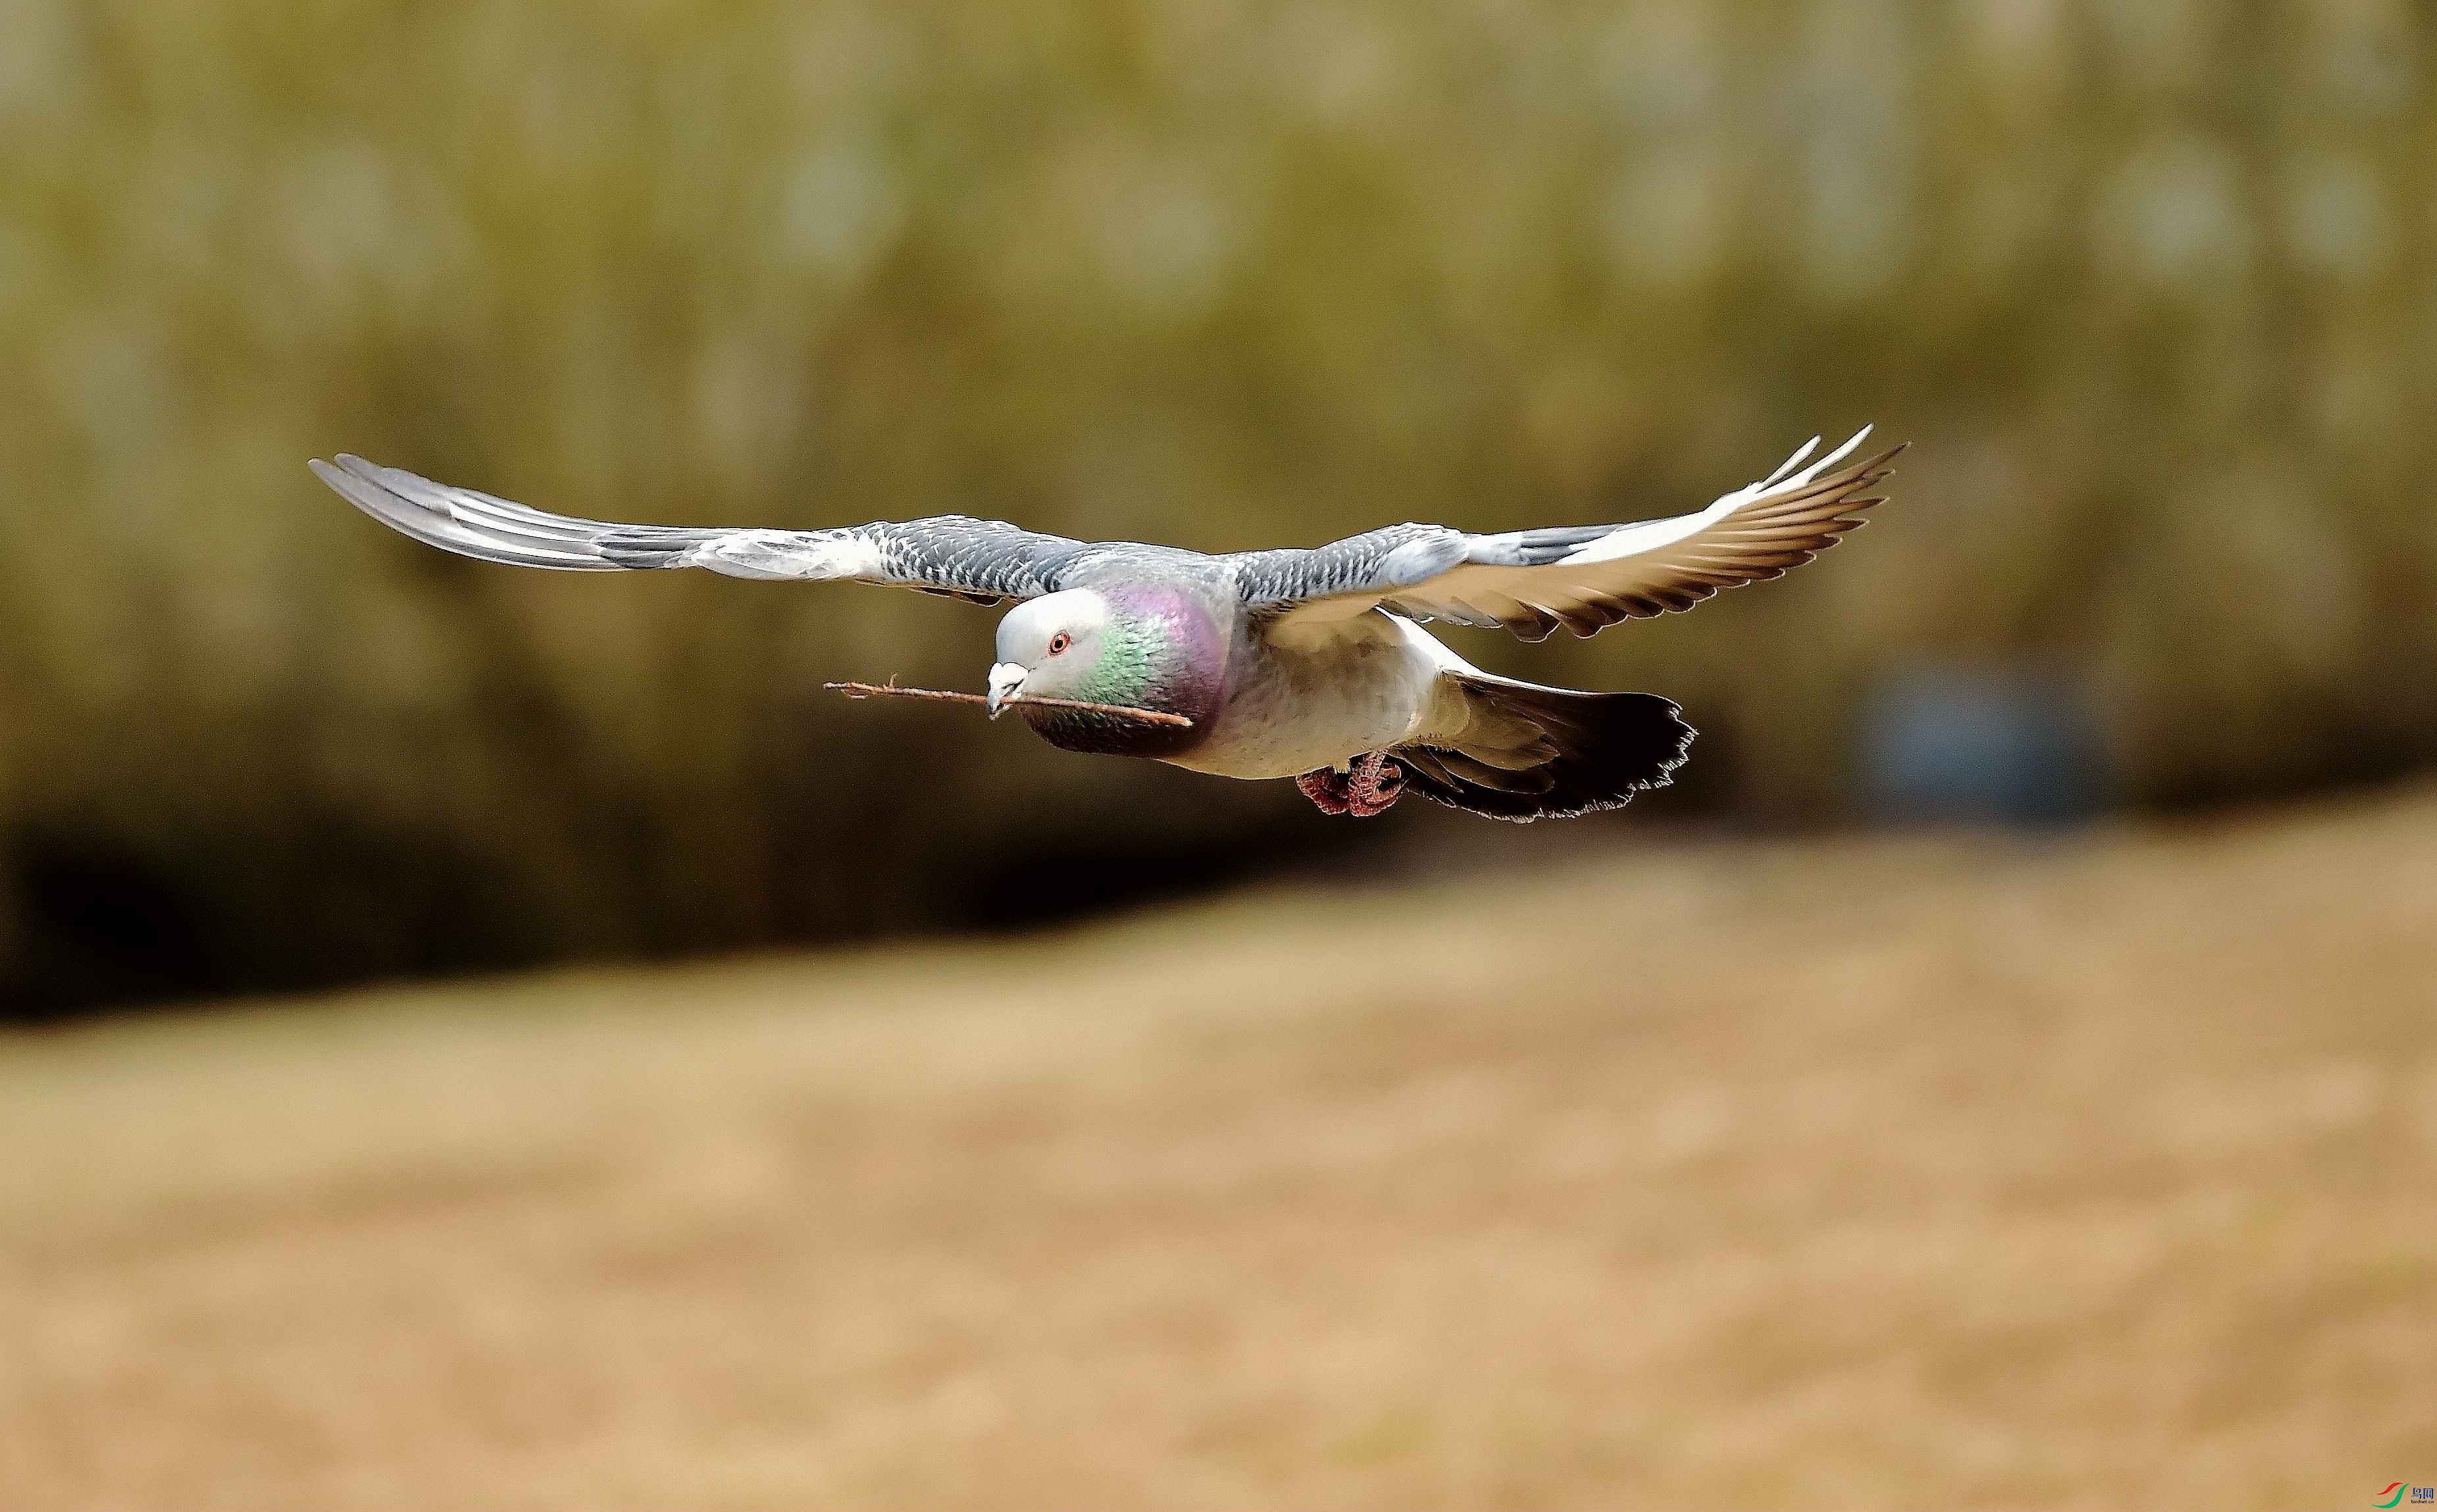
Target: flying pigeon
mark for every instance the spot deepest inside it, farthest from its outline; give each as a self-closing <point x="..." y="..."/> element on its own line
<point x="1309" y="664"/>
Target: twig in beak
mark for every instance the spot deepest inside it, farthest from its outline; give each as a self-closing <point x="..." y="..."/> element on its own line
<point x="890" y="690"/>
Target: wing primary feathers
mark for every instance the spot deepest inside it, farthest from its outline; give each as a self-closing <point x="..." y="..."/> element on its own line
<point x="1795" y="461"/>
<point x="359" y="483"/>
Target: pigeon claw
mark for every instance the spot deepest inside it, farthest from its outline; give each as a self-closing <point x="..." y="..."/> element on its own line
<point x="1375" y="783"/>
<point x="1327" y="791"/>
<point x="1367" y="791"/>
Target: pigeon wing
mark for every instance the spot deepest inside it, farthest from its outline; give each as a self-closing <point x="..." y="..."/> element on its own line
<point x="986" y="560"/>
<point x="1583" y="577"/>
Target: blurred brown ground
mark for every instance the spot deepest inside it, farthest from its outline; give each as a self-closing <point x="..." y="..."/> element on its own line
<point x="1898" y="1172"/>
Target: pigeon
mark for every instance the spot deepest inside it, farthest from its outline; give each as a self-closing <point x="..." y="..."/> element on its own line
<point x="1310" y="664"/>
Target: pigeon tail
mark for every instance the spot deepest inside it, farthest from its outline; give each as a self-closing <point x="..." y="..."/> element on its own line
<point x="1525" y="752"/>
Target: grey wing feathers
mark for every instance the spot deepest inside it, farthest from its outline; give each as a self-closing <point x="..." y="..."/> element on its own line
<point x="1393" y="556"/>
<point x="981" y="559"/>
<point x="1581" y="577"/>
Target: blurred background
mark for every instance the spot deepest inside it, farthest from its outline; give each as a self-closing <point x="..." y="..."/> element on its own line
<point x="2147" y="285"/>
<point x="2145" y="639"/>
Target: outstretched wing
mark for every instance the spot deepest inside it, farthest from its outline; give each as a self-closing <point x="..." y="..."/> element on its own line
<point x="1583" y="577"/>
<point x="982" y="559"/>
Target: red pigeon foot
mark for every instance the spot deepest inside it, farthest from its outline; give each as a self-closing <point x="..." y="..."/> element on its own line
<point x="1327" y="790"/>
<point x="1373" y="788"/>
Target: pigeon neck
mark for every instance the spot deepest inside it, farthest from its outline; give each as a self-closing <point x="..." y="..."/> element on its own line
<point x="1160" y="650"/>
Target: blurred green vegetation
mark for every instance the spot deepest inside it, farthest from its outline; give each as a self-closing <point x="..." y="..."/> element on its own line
<point x="2149" y="281"/>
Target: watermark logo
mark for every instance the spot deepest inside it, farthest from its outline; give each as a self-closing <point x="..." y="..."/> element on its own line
<point x="2420" y="1495"/>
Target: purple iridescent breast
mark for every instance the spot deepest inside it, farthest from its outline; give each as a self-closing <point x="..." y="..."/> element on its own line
<point x="1163" y="650"/>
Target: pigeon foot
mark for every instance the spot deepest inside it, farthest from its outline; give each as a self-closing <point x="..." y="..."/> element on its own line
<point x="1326" y="789"/>
<point x="1369" y="790"/>
<point x="1375" y="783"/>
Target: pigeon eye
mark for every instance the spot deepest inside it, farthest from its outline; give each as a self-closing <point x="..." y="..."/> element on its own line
<point x="1059" y="642"/>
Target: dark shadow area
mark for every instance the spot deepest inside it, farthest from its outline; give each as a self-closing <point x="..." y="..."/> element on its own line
<point x="108" y="923"/>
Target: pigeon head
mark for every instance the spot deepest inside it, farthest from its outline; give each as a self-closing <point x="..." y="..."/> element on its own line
<point x="1146" y="648"/>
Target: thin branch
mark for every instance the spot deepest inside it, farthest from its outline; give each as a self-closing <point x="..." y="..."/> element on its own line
<point x="890" y="690"/>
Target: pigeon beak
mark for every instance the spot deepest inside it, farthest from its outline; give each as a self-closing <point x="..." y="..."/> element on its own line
<point x="1006" y="681"/>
